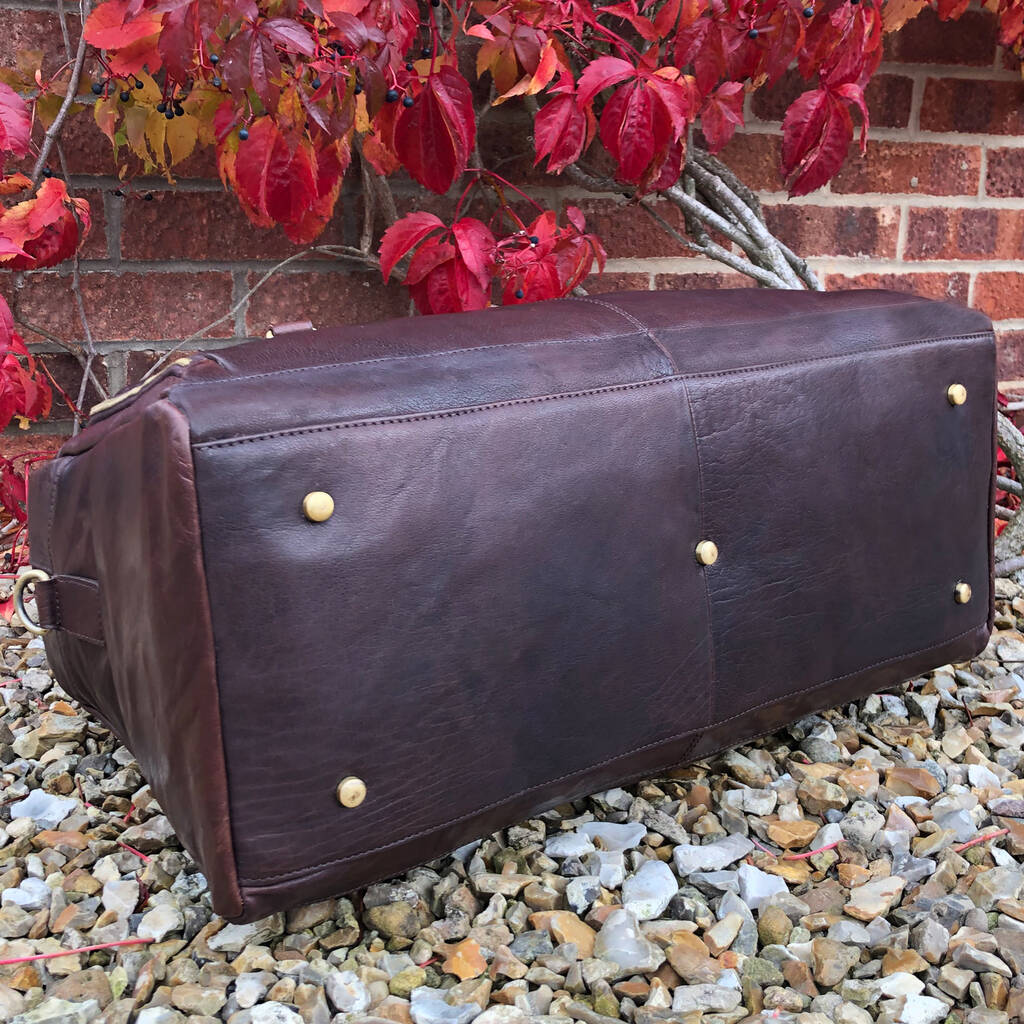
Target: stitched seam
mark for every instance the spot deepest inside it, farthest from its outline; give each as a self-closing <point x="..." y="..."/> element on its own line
<point x="637" y="324"/>
<point x="412" y="355"/>
<point x="516" y="344"/>
<point x="609" y="389"/>
<point x="299" y="872"/>
<point x="712" y="664"/>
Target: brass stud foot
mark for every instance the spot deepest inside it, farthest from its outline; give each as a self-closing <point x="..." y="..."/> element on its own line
<point x="318" y="506"/>
<point x="707" y="552"/>
<point x="962" y="592"/>
<point x="956" y="394"/>
<point x="351" y="791"/>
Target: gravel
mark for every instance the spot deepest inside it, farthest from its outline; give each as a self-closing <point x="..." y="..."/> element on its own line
<point x="865" y="864"/>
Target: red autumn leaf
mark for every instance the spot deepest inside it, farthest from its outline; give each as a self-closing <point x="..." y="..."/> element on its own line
<point x="403" y="236"/>
<point x="15" y="123"/>
<point x="13" y="500"/>
<point x="277" y="182"/>
<point x="14" y="183"/>
<point x="816" y="133"/>
<point x="476" y="245"/>
<point x="110" y="25"/>
<point x="177" y="42"/>
<point x="600" y="74"/>
<point x="290" y="35"/>
<point x="6" y="324"/>
<point x="434" y="137"/>
<point x="440" y="281"/>
<point x="48" y="229"/>
<point x="559" y="133"/>
<point x="722" y="114"/>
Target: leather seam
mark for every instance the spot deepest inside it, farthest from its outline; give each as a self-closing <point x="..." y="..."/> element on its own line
<point x="712" y="663"/>
<point x="299" y="872"/>
<point x="642" y="327"/>
<point x="605" y="390"/>
<point x="411" y="355"/>
<point x="517" y="344"/>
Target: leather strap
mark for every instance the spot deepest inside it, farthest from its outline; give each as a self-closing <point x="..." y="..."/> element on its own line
<point x="72" y="604"/>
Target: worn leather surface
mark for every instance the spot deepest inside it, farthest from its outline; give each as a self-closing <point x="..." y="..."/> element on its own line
<point x="505" y="610"/>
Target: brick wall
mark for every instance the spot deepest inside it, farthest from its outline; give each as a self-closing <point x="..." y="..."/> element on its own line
<point x="935" y="207"/>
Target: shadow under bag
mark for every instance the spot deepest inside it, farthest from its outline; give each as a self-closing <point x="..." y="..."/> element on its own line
<point x="354" y="597"/>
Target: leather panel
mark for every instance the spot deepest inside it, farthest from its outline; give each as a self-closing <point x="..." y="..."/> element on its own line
<point x="419" y="655"/>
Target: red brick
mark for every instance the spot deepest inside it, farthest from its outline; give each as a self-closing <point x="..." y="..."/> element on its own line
<point x="15" y="442"/>
<point x="919" y="167"/>
<point x="706" y="279"/>
<point x="973" y="105"/>
<point x="598" y="284"/>
<point x="1000" y="294"/>
<point x="888" y="98"/>
<point x="754" y="158"/>
<point x="325" y="299"/>
<point x="928" y="285"/>
<point x="28" y="31"/>
<point x="926" y="39"/>
<point x="205" y="226"/>
<point x="67" y="372"/>
<point x="129" y="306"/>
<point x="1005" y="172"/>
<point x="1010" y="355"/>
<point x="835" y="230"/>
<point x="627" y="231"/>
<point x="942" y="233"/>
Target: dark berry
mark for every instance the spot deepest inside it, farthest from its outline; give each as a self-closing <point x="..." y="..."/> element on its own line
<point x="125" y="95"/>
<point x="243" y="133"/>
<point x="161" y="106"/>
<point x="97" y="88"/>
<point x="391" y="95"/>
<point x="214" y="59"/>
<point x="119" y="192"/>
<point x="425" y="52"/>
<point x="148" y="197"/>
<point x="179" y="111"/>
<point x="169" y="114"/>
<point x="216" y="81"/>
<point x="520" y="293"/>
<point x="435" y="3"/>
<point x="138" y="84"/>
<point x="407" y="101"/>
<point x="358" y="89"/>
<point x="808" y="12"/>
<point x="534" y="240"/>
<point x="753" y="34"/>
<point x="47" y="173"/>
<point x="409" y="65"/>
<point x="316" y="83"/>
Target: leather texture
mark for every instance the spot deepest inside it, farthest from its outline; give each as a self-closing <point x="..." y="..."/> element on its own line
<point x="505" y="610"/>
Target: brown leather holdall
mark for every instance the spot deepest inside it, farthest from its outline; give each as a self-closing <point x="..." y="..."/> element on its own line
<point x="354" y="597"/>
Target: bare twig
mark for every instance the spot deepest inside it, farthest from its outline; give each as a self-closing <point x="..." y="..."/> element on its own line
<point x="343" y="252"/>
<point x="53" y="132"/>
<point x="1010" y="542"/>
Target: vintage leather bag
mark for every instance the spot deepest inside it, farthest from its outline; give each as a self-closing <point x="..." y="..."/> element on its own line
<point x="354" y="597"/>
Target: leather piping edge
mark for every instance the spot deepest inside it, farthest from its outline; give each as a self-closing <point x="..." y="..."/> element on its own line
<point x="219" y="777"/>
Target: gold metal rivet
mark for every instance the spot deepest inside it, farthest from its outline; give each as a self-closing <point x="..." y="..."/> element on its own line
<point x="707" y="552"/>
<point x="318" y="506"/>
<point x="351" y="791"/>
<point x="962" y="592"/>
<point x="957" y="394"/>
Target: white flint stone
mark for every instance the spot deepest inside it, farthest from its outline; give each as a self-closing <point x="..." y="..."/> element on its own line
<point x="346" y="992"/>
<point x="45" y="809"/>
<point x="713" y="856"/>
<point x="610" y="835"/>
<point x="648" y="892"/>
<point x="621" y="941"/>
<point x="568" y="844"/>
<point x="757" y="886"/>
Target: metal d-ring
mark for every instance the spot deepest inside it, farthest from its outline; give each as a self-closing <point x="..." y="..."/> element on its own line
<point x="32" y="576"/>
